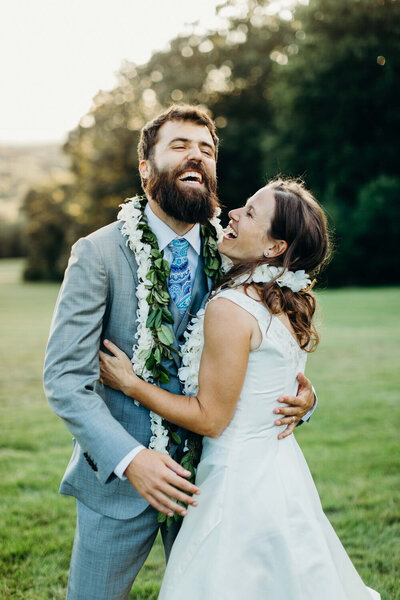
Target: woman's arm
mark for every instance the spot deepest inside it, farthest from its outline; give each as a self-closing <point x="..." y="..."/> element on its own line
<point x="227" y="334"/>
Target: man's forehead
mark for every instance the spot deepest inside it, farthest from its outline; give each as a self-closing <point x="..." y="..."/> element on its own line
<point x="185" y="130"/>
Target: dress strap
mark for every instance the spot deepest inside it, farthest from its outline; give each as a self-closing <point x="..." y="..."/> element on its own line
<point x="255" y="308"/>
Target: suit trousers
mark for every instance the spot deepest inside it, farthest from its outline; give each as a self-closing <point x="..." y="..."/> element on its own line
<point x="108" y="553"/>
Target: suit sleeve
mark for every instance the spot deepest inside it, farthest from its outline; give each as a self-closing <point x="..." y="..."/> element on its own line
<point x="72" y="362"/>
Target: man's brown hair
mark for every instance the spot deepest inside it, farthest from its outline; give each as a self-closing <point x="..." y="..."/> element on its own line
<point x="176" y="112"/>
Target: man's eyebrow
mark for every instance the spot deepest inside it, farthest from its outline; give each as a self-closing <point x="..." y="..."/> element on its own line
<point x="179" y="139"/>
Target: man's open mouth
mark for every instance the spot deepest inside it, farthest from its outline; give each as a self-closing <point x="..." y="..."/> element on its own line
<point x="191" y="176"/>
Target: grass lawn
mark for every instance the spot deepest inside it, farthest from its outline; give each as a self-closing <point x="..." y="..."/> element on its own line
<point x="351" y="445"/>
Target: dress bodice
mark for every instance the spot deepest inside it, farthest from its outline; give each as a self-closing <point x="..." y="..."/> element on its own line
<point x="271" y="370"/>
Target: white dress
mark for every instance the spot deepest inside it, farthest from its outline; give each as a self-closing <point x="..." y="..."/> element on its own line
<point x="259" y="531"/>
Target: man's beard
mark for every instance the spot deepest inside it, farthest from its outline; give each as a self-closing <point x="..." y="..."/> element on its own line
<point x="185" y="205"/>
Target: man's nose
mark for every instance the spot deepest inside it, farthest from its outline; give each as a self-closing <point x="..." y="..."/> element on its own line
<point x="195" y="153"/>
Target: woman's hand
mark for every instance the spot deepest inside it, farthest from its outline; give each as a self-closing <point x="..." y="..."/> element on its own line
<point x="116" y="371"/>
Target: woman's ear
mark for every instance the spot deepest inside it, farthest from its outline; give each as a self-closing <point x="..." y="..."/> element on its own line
<point x="276" y="248"/>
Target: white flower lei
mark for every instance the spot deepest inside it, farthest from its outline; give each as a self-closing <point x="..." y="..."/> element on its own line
<point x="191" y="354"/>
<point x="294" y="280"/>
<point x="131" y="215"/>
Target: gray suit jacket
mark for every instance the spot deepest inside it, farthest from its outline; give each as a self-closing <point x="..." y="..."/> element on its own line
<point x="97" y="300"/>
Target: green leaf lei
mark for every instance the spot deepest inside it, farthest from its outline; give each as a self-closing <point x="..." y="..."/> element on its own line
<point x="158" y="298"/>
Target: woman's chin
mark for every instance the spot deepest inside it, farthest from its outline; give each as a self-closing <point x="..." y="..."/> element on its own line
<point x="225" y="252"/>
<point x="222" y="248"/>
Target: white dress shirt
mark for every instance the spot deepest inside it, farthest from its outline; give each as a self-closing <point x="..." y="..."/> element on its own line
<point x="165" y="235"/>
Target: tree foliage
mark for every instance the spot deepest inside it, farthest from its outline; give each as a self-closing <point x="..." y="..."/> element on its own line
<point x="336" y="120"/>
<point x="313" y="94"/>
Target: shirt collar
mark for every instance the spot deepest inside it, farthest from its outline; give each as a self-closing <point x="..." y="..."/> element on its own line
<point x="165" y="234"/>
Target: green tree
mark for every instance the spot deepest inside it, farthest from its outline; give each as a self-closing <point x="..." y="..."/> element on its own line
<point x="375" y="232"/>
<point x="336" y="118"/>
<point x="49" y="218"/>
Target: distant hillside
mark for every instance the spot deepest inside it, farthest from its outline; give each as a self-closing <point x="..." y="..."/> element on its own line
<point x="21" y="167"/>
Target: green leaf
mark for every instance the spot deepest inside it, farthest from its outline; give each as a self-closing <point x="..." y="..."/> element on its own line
<point x="165" y="335"/>
<point x="161" y="297"/>
<point x="214" y="264"/>
<point x="150" y="362"/>
<point x="170" y="520"/>
<point x="212" y="244"/>
<point x="163" y="377"/>
<point x="185" y="463"/>
<point x="149" y="236"/>
<point x="151" y="318"/>
<point x="176" y="437"/>
<point x="167" y="316"/>
<point x="161" y="517"/>
<point x="158" y="319"/>
<point x="158" y="354"/>
<point x="152" y="276"/>
<point x="161" y="277"/>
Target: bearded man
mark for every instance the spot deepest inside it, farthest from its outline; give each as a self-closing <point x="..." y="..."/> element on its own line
<point x="136" y="282"/>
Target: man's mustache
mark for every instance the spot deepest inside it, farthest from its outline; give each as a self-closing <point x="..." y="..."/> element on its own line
<point x="196" y="166"/>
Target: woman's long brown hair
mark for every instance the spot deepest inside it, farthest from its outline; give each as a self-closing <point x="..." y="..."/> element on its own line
<point x="300" y="221"/>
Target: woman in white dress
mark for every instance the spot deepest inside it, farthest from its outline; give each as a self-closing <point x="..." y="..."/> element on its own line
<point x="259" y="531"/>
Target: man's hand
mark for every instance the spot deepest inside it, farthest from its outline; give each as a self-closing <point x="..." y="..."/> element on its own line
<point x="159" y="480"/>
<point x="298" y="406"/>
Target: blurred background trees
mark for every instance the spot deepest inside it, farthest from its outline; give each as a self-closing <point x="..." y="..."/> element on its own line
<point x="312" y="93"/>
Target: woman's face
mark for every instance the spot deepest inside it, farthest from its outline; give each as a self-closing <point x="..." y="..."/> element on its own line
<point x="246" y="237"/>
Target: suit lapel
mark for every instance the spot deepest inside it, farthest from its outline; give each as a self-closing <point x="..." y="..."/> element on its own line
<point x="129" y="255"/>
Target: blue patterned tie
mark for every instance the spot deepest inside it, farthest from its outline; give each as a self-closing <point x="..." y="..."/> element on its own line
<point x="179" y="284"/>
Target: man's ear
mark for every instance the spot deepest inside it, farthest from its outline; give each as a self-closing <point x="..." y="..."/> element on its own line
<point x="144" y="169"/>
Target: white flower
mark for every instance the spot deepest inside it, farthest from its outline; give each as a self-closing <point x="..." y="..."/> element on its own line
<point x="226" y="263"/>
<point x="141" y="292"/>
<point x="147" y="341"/>
<point x="159" y="439"/>
<point x="295" y="280"/>
<point x="191" y="354"/>
<point x="135" y="235"/>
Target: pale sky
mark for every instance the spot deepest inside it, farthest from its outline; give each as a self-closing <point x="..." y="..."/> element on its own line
<point x="56" y="54"/>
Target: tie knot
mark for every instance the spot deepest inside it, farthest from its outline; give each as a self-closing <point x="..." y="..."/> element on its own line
<point x="179" y="247"/>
